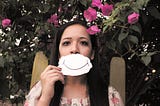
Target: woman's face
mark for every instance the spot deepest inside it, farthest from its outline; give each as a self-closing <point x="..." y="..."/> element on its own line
<point x="75" y="40"/>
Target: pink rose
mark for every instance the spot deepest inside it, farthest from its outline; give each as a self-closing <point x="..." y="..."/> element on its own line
<point x="6" y="22"/>
<point x="133" y="18"/>
<point x="53" y="19"/>
<point x="90" y="14"/>
<point x="107" y="9"/>
<point x="93" y="30"/>
<point x="96" y="3"/>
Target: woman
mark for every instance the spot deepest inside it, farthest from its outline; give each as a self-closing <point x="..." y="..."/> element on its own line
<point x="72" y="38"/>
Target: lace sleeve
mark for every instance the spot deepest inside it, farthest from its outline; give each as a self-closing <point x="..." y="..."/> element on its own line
<point x="114" y="97"/>
<point x="33" y="95"/>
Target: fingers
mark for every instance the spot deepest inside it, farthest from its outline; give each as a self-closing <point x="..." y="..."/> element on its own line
<point x="52" y="74"/>
<point x="51" y="67"/>
<point x="48" y="78"/>
<point x="56" y="77"/>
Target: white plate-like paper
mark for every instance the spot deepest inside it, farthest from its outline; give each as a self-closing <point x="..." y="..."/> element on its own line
<point x="74" y="64"/>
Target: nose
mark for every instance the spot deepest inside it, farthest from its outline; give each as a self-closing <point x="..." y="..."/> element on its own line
<point x="74" y="49"/>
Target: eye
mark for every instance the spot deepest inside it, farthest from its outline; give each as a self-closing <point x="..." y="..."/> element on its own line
<point x="65" y="43"/>
<point x="85" y="43"/>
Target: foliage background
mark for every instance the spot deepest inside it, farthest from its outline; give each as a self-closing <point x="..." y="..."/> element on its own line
<point x="138" y="44"/>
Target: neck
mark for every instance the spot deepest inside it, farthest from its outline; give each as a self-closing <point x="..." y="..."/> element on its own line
<point x="75" y="87"/>
<point x="75" y="80"/>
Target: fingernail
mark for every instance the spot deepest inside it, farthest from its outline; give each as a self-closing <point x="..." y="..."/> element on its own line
<point x="60" y="68"/>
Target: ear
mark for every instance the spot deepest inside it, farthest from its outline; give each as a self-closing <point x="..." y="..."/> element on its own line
<point x="92" y="55"/>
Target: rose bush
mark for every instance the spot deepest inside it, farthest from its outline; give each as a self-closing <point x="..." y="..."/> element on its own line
<point x="125" y="28"/>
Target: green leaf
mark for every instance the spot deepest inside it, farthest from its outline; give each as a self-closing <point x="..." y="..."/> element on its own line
<point x="154" y="12"/>
<point x="44" y="8"/>
<point x="1" y="61"/>
<point x="151" y="53"/>
<point x="141" y="3"/>
<point x="83" y="2"/>
<point x="133" y="39"/>
<point x="111" y="45"/>
<point x="146" y="59"/>
<point x="9" y="58"/>
<point x="136" y="28"/>
<point x="37" y="30"/>
<point x="134" y="7"/>
<point x="143" y="54"/>
<point x="122" y="36"/>
<point x="105" y="28"/>
<point x="5" y="45"/>
<point x="46" y="26"/>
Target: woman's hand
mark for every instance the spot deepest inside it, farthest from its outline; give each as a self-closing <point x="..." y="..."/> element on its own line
<point x="48" y="78"/>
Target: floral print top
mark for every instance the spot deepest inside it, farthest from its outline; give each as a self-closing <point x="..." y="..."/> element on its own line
<point x="35" y="92"/>
<point x="75" y="102"/>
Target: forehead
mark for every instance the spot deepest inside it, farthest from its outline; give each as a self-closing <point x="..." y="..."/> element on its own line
<point x="75" y="30"/>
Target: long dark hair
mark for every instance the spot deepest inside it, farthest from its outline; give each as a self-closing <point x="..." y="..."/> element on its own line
<point x="98" y="86"/>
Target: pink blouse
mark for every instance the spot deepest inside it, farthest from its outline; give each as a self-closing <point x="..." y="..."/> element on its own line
<point x="35" y="92"/>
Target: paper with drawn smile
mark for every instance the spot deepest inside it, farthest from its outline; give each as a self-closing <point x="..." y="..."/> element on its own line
<point x="74" y="65"/>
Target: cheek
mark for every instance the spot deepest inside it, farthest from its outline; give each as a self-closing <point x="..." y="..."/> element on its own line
<point x="86" y="52"/>
<point x="63" y="52"/>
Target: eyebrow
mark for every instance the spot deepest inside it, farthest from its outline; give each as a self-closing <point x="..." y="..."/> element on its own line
<point x="71" y="38"/>
<point x="66" y="38"/>
<point x="84" y="38"/>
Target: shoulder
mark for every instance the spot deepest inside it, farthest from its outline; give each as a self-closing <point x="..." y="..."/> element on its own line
<point x="114" y="97"/>
<point x="33" y="95"/>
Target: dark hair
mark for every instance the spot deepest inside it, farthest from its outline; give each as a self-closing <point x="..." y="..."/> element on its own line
<point x="98" y="86"/>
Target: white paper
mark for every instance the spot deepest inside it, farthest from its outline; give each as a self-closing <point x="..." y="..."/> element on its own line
<point x="74" y="64"/>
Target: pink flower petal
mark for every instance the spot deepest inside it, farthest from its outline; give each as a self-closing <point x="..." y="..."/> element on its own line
<point x="53" y="19"/>
<point x="133" y="18"/>
<point x="107" y="9"/>
<point x="93" y="30"/>
<point x="90" y="14"/>
<point x="6" y="22"/>
<point x="96" y="3"/>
